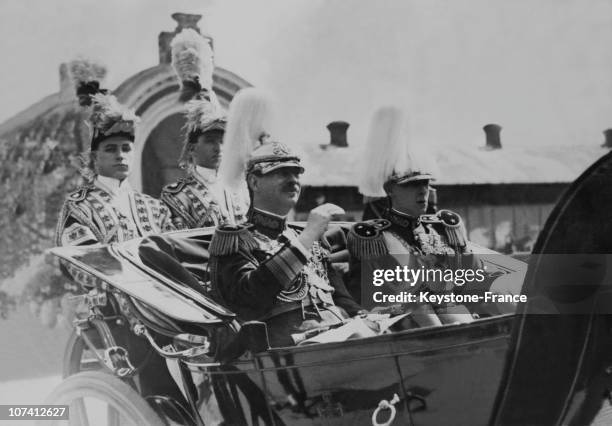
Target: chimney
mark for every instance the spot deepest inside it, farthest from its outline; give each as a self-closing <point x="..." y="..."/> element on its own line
<point x="183" y="20"/>
<point x="337" y="133"/>
<point x="67" y="91"/>
<point x="492" y="132"/>
<point x="608" y="142"/>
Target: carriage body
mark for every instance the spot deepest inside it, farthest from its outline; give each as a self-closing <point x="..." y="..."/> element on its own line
<point x="434" y="373"/>
<point x="548" y="363"/>
<point x="437" y="374"/>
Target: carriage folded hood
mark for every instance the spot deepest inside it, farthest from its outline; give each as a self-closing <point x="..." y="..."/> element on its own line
<point x="133" y="268"/>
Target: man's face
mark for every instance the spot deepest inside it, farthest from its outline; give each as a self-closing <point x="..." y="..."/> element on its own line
<point x="410" y="198"/>
<point x="114" y="157"/>
<point x="277" y="191"/>
<point x="208" y="149"/>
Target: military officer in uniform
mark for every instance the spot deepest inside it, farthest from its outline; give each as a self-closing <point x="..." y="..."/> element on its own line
<point x="381" y="139"/>
<point x="199" y="200"/>
<point x="404" y="234"/>
<point x="106" y="209"/>
<point x="268" y="271"/>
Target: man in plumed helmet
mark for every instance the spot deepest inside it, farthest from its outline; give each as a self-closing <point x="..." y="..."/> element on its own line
<point x="106" y="209"/>
<point x="381" y="140"/>
<point x="404" y="234"/>
<point x="269" y="271"/>
<point x="199" y="200"/>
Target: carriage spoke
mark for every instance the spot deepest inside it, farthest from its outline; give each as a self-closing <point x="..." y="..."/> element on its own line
<point x="113" y="417"/>
<point x="78" y="412"/>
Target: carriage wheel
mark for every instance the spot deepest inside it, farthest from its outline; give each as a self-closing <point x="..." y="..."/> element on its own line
<point x="102" y="399"/>
<point x="78" y="357"/>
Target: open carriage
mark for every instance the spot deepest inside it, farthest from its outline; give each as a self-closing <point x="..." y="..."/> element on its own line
<point x="155" y="349"/>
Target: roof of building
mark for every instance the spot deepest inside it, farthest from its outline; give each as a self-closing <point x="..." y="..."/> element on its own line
<point x="463" y="165"/>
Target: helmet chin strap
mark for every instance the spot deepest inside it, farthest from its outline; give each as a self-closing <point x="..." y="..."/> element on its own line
<point x="270" y="208"/>
<point x="395" y="206"/>
<point x="403" y="212"/>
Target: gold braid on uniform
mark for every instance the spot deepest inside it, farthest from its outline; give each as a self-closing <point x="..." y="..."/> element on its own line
<point x="453" y="227"/>
<point x="365" y="239"/>
<point x="229" y="239"/>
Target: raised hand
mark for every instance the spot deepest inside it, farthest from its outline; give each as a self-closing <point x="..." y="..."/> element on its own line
<point x="318" y="219"/>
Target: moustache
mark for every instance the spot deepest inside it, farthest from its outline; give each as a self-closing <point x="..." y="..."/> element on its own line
<point x="291" y="187"/>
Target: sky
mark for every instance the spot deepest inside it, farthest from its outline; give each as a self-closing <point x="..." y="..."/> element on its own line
<point x="542" y="69"/>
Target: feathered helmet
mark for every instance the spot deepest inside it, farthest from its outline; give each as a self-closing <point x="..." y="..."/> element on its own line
<point x="108" y="118"/>
<point x="192" y="60"/>
<point x="389" y="158"/>
<point x="251" y="120"/>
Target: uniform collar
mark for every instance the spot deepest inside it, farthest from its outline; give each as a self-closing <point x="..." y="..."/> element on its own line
<point x="112" y="186"/>
<point x="267" y="223"/>
<point x="402" y="219"/>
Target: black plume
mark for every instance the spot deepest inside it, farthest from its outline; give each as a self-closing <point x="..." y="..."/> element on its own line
<point x="190" y="89"/>
<point x="86" y="90"/>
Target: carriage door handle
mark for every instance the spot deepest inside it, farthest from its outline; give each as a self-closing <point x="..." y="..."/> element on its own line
<point x="385" y="405"/>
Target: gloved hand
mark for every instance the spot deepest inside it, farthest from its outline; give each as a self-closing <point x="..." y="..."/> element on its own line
<point x="318" y="219"/>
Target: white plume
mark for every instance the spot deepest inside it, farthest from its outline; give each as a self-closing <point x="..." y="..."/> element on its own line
<point x="385" y="147"/>
<point x="251" y="117"/>
<point x="192" y="58"/>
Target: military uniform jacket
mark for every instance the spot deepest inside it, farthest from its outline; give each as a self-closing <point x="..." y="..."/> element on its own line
<point x="89" y="216"/>
<point x="260" y="270"/>
<point x="195" y="203"/>
<point x="375" y="209"/>
<point x="436" y="241"/>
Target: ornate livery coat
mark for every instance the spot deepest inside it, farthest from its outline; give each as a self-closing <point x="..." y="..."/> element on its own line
<point x="88" y="216"/>
<point x="195" y="203"/>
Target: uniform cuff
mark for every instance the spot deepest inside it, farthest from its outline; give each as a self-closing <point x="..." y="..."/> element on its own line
<point x="296" y="243"/>
<point x="286" y="264"/>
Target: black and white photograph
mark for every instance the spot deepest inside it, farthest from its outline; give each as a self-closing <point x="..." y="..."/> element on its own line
<point x="306" y="212"/>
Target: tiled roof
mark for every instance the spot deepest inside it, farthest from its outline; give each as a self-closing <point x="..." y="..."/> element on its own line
<point x="463" y="164"/>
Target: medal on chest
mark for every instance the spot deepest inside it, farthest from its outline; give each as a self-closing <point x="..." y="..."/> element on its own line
<point x="431" y="242"/>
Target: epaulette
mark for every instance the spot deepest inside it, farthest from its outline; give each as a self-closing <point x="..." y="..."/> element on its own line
<point x="175" y="187"/>
<point x="230" y="239"/>
<point x="452" y="225"/>
<point x="80" y="194"/>
<point x="365" y="239"/>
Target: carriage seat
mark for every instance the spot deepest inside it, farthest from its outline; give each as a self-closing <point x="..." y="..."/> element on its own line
<point x="184" y="258"/>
